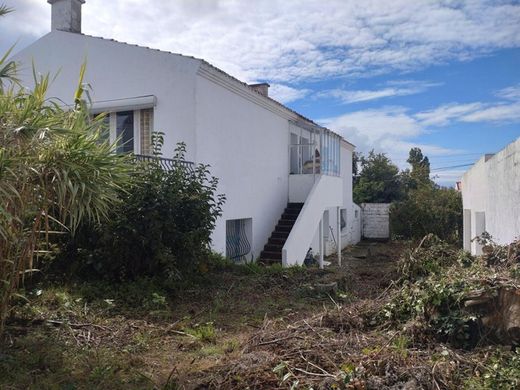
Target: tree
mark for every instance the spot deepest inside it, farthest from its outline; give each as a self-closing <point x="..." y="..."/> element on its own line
<point x="378" y="181"/>
<point x="420" y="173"/>
<point x="55" y="171"/>
<point x="426" y="207"/>
<point x="7" y="68"/>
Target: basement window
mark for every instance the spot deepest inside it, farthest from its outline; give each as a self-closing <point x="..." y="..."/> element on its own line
<point x="239" y="234"/>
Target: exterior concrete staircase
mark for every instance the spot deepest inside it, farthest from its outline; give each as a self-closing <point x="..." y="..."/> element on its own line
<point x="272" y="252"/>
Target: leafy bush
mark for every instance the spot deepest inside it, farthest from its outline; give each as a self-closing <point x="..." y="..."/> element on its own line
<point x="162" y="226"/>
<point x="428" y="209"/>
<point x="500" y="372"/>
<point x="435" y="283"/>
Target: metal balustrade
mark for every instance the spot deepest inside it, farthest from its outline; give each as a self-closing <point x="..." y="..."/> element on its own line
<point x="237" y="244"/>
<point x="167" y="164"/>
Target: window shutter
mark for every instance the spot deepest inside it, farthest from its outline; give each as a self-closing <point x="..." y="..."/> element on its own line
<point x="146" y="131"/>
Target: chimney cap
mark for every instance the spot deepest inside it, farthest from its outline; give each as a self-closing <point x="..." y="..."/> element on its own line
<point x="259" y="85"/>
<point x="55" y="1"/>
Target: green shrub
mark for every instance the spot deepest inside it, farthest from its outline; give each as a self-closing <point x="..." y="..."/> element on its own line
<point x="162" y="226"/>
<point x="428" y="209"/>
<point x="500" y="372"/>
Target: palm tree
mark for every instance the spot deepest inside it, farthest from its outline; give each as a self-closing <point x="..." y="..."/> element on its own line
<point x="55" y="171"/>
<point x="7" y="68"/>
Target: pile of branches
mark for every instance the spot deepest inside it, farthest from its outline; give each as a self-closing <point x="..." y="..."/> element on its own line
<point x="437" y="327"/>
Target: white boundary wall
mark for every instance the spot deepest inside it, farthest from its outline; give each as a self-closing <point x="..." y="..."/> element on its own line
<point x="491" y="197"/>
<point x="376" y="220"/>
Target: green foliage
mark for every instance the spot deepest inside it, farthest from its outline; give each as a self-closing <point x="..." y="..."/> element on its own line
<point x="55" y="172"/>
<point x="436" y="281"/>
<point x="203" y="332"/>
<point x="428" y="209"/>
<point x="420" y="164"/>
<point x="378" y="181"/>
<point x="161" y="226"/>
<point x="431" y="256"/>
<point x="500" y="372"/>
<point x="419" y="206"/>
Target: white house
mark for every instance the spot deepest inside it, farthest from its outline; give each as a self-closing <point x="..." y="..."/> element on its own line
<point x="288" y="181"/>
<point x="491" y="198"/>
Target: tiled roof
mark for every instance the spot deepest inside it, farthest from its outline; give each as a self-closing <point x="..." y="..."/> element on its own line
<point x="218" y="70"/>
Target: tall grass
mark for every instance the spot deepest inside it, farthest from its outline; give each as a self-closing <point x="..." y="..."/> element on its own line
<point x="55" y="171"/>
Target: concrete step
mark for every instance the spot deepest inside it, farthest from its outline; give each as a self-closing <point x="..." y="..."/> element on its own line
<point x="276" y="241"/>
<point x="280" y="235"/>
<point x="273" y="247"/>
<point x="290" y="216"/>
<point x="289" y="211"/>
<point x="271" y="255"/>
<point x="283" y="228"/>
<point x="286" y="222"/>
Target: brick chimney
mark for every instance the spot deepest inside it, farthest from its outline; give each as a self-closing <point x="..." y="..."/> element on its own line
<point x="262" y="88"/>
<point x="66" y="15"/>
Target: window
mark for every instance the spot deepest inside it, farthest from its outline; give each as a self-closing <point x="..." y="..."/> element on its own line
<point x="238" y="239"/>
<point x="125" y="131"/>
<point x="330" y="153"/>
<point x="132" y="129"/>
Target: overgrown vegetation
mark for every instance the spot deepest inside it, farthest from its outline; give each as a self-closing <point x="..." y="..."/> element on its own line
<point x="160" y="228"/>
<point x="419" y="206"/>
<point x="55" y="172"/>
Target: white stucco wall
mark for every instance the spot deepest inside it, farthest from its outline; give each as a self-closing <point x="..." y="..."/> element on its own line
<point x="492" y="187"/>
<point x="118" y="71"/>
<point x="351" y="233"/>
<point x="247" y="148"/>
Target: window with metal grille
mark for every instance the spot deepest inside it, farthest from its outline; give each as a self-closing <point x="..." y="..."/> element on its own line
<point x="238" y="239"/>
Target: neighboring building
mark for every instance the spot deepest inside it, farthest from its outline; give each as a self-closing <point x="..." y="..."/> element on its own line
<point x="267" y="157"/>
<point x="491" y="198"/>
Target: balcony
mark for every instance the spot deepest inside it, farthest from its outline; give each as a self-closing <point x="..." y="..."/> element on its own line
<point x="168" y="164"/>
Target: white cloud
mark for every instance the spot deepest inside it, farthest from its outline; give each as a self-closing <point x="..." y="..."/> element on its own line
<point x="444" y="114"/>
<point x="394" y="88"/>
<point x="470" y="112"/>
<point x="285" y="94"/>
<point x="510" y="93"/>
<point x="286" y="41"/>
<point x="390" y="130"/>
<point x="393" y="131"/>
<point x="496" y="113"/>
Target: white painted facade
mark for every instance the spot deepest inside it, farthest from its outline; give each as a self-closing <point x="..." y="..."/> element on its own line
<point x="244" y="135"/>
<point x="491" y="198"/>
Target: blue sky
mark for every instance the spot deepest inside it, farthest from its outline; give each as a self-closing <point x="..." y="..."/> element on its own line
<point x="387" y="75"/>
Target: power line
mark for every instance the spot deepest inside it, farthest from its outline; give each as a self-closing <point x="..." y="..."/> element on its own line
<point x="451" y="167"/>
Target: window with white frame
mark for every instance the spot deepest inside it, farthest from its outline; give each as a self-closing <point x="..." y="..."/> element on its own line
<point x="132" y="129"/>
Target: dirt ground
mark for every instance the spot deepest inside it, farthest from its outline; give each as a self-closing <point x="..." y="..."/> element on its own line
<point x="244" y="327"/>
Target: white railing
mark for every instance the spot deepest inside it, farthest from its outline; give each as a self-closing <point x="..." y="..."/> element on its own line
<point x="327" y="191"/>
